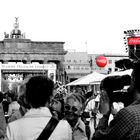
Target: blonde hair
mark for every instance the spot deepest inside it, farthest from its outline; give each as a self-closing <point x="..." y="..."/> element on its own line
<point x="77" y="97"/>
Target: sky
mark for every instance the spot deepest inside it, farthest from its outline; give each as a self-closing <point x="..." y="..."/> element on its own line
<point x="93" y="26"/>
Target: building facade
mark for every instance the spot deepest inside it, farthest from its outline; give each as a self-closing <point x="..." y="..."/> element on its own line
<point x="78" y="64"/>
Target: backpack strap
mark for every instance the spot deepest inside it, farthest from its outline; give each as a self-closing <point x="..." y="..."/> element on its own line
<point x="47" y="131"/>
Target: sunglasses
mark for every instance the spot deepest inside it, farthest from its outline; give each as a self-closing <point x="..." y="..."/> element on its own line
<point x="72" y="108"/>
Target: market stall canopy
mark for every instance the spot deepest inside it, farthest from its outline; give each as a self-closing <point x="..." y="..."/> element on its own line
<point x="93" y="78"/>
<point x="120" y="73"/>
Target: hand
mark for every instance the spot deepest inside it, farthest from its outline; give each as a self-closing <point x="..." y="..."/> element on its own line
<point x="94" y="111"/>
<point x="104" y="103"/>
<point x="99" y="115"/>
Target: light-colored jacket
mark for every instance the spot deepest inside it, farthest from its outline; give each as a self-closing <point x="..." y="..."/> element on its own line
<point x="32" y="124"/>
<point x="79" y="132"/>
<point x="13" y="107"/>
<point x="17" y="114"/>
<point x="93" y="121"/>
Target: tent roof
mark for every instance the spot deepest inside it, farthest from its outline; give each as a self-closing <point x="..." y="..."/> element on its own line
<point x="120" y="73"/>
<point x="94" y="77"/>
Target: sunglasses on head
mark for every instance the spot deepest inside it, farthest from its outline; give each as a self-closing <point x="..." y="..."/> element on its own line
<point x="72" y="108"/>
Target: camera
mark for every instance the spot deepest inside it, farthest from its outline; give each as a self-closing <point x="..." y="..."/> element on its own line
<point x="114" y="85"/>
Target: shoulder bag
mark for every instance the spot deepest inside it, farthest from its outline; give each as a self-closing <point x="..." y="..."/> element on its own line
<point x="47" y="131"/>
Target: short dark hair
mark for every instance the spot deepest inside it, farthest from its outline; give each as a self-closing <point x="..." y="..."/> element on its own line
<point x="39" y="89"/>
<point x="112" y="83"/>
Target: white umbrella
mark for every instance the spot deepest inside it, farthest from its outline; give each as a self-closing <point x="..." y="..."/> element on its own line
<point x="120" y="73"/>
<point x="92" y="78"/>
<point x="75" y="82"/>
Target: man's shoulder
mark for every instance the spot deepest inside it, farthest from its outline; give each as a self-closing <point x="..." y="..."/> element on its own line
<point x="63" y="122"/>
<point x="131" y="110"/>
<point x="132" y="107"/>
<point x="63" y="126"/>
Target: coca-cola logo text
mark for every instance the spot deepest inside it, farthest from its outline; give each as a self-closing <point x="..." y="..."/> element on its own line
<point x="101" y="61"/>
<point x="134" y="41"/>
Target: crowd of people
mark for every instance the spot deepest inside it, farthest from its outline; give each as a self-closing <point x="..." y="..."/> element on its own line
<point x="42" y="109"/>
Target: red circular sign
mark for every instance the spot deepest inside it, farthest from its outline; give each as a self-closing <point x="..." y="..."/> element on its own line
<point x="101" y="61"/>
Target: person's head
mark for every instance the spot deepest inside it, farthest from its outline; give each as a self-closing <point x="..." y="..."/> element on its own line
<point x="104" y="104"/>
<point x="39" y="90"/>
<point x="56" y="105"/>
<point x="89" y="94"/>
<point x="22" y="94"/>
<point x="11" y="96"/>
<point x="74" y="104"/>
<point x="57" y="102"/>
<point x="78" y="88"/>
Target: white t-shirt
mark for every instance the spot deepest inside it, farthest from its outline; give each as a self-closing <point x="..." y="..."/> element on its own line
<point x="31" y="125"/>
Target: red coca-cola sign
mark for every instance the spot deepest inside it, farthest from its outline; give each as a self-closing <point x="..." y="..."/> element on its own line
<point x="133" y="41"/>
<point x="101" y="61"/>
